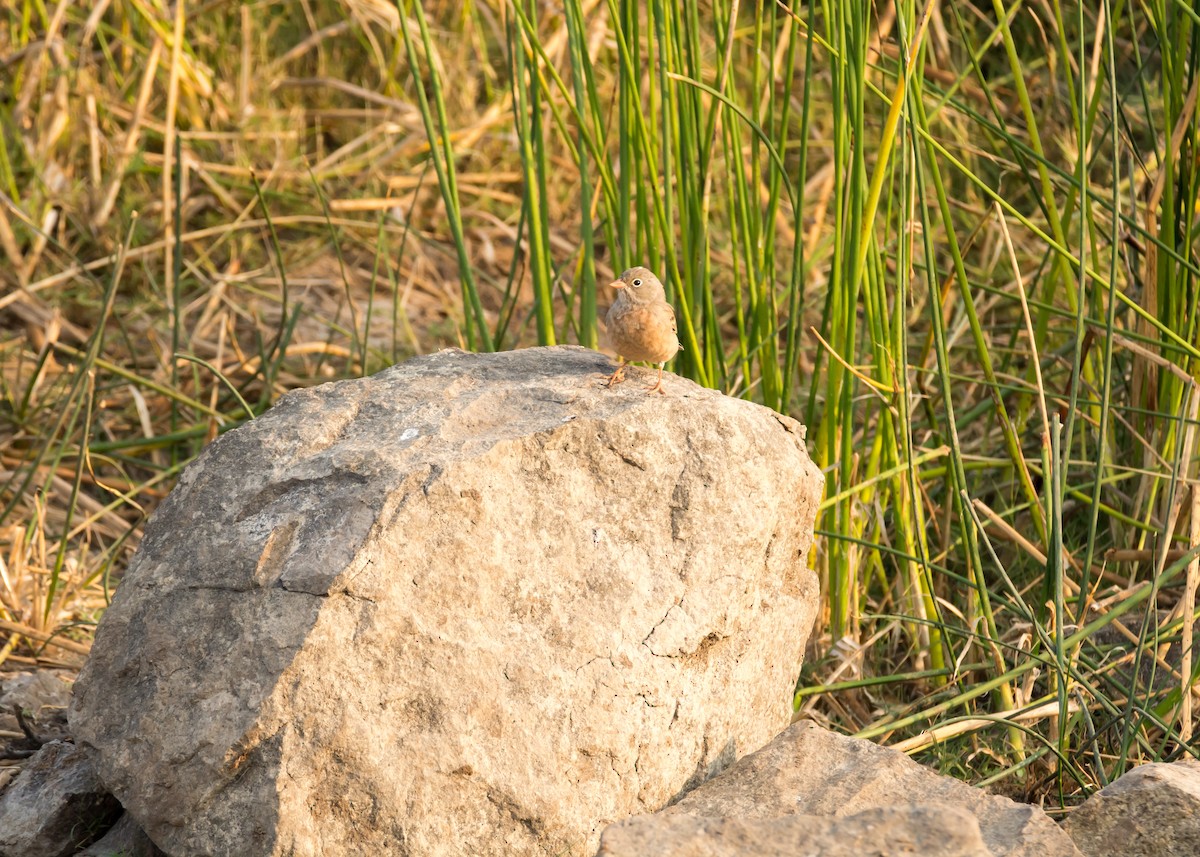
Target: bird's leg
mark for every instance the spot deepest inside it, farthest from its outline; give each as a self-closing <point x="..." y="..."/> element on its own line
<point x="618" y="376"/>
<point x="657" y="388"/>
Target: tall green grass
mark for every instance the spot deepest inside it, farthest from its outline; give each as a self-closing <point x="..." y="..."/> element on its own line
<point x="957" y="241"/>
<point x="948" y="216"/>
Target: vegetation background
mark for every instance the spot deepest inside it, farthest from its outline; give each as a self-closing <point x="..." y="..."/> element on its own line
<point x="956" y="239"/>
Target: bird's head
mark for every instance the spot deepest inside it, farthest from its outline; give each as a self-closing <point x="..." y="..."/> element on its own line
<point x="639" y="286"/>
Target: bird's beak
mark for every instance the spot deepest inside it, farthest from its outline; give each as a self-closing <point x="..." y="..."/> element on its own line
<point x="617" y="284"/>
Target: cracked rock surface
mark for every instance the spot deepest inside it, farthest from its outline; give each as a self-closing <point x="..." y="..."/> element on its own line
<point x="473" y="604"/>
<point x="808" y="772"/>
<point x="928" y="830"/>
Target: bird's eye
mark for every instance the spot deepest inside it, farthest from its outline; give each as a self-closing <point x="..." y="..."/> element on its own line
<point x="637" y="283"/>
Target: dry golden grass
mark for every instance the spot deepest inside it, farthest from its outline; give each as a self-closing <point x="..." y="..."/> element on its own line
<point x="261" y="178"/>
<point x="131" y="155"/>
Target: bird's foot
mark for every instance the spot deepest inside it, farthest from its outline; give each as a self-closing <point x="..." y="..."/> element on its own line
<point x="657" y="387"/>
<point x="616" y="377"/>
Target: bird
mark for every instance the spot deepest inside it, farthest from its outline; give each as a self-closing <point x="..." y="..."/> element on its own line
<point x="641" y="324"/>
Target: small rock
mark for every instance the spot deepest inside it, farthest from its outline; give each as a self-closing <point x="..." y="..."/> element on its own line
<point x="928" y="830"/>
<point x="1152" y="811"/>
<point x="126" y="839"/>
<point x="55" y="806"/>
<point x="810" y="770"/>
<point x="39" y="694"/>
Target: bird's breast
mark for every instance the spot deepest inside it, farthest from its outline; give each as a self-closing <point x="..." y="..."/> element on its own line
<point x="640" y="333"/>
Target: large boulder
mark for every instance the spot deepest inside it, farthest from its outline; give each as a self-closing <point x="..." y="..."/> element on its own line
<point x="810" y="771"/>
<point x="473" y="604"/>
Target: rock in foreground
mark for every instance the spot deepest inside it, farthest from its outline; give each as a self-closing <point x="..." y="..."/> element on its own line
<point x="473" y="604"/>
<point x="808" y="770"/>
<point x="55" y="805"/>
<point x="124" y="839"/>
<point x="1152" y="811"/>
<point x="931" y="830"/>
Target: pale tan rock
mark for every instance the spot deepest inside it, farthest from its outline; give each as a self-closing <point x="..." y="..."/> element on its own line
<point x="810" y="770"/>
<point x="928" y="830"/>
<point x="476" y="604"/>
<point x="1152" y="811"/>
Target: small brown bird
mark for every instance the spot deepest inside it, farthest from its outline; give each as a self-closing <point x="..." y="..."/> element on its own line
<point x="641" y="324"/>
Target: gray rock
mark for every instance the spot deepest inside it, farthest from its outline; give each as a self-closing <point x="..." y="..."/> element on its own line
<point x="929" y="830"/>
<point x="39" y="694"/>
<point x="810" y="770"/>
<point x="474" y="604"/>
<point x="1152" y="811"/>
<point x="125" y="839"/>
<point x="55" y="805"/>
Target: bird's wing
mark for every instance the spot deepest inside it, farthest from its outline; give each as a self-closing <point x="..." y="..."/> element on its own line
<point x="665" y="313"/>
